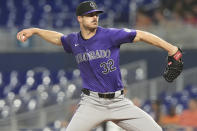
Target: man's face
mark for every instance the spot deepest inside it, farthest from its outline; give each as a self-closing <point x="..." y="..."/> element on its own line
<point x="89" y="21"/>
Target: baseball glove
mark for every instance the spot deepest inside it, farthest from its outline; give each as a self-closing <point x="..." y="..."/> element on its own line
<point x="174" y="66"/>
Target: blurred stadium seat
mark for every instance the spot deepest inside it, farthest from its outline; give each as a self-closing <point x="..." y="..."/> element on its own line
<point x="178" y="99"/>
<point x="17" y="92"/>
<point x="54" y="13"/>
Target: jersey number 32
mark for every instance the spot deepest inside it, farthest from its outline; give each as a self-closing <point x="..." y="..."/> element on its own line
<point x="108" y="66"/>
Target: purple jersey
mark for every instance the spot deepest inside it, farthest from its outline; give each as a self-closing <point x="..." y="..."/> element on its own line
<point x="98" y="57"/>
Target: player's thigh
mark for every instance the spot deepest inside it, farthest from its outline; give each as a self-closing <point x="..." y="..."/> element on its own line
<point x="84" y="119"/>
<point x="79" y="123"/>
<point x="141" y="122"/>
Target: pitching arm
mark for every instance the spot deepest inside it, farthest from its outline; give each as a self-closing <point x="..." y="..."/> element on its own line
<point x="50" y="36"/>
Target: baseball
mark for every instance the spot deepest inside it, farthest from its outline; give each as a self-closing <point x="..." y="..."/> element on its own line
<point x="23" y="38"/>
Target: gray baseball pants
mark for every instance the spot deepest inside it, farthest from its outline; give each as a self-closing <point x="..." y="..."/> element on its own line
<point x="93" y="110"/>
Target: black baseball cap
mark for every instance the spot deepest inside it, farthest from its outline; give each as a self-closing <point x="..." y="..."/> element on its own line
<point x="87" y="7"/>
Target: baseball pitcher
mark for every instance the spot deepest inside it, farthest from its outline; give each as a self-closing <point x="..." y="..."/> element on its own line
<point x="96" y="50"/>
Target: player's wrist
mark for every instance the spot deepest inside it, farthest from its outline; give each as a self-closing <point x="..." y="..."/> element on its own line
<point x="178" y="55"/>
<point x="35" y="30"/>
<point x="173" y="51"/>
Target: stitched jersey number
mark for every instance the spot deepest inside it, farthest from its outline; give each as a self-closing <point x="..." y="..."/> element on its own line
<point x="108" y="66"/>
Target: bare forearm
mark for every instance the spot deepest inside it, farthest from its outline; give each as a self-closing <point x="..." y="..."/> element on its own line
<point x="156" y="41"/>
<point x="50" y="36"/>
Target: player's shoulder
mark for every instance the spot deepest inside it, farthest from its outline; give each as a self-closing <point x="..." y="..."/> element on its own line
<point x="69" y="38"/>
<point x="72" y="36"/>
<point x="108" y="31"/>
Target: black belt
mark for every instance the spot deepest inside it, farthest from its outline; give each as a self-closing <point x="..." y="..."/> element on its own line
<point x="102" y="95"/>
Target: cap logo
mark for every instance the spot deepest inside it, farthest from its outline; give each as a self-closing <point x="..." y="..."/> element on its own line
<point x="92" y="5"/>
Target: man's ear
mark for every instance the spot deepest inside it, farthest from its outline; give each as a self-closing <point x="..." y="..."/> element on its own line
<point x="79" y="18"/>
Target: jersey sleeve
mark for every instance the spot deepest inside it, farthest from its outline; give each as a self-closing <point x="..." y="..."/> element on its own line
<point x="66" y="43"/>
<point x="120" y="36"/>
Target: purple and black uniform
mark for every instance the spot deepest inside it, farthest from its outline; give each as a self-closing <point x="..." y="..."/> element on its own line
<point x="98" y="57"/>
<point x="98" y="61"/>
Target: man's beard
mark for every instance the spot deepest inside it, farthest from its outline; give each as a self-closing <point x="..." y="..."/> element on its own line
<point x="91" y="27"/>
